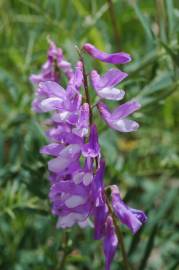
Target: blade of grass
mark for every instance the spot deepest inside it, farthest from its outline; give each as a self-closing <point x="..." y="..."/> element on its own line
<point x="148" y="247"/>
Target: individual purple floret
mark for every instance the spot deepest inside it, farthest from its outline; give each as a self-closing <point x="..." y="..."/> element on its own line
<point x="113" y="58"/>
<point x="118" y="118"/>
<point x="132" y="218"/>
<point x="76" y="168"/>
<point x="104" y="86"/>
<point x="50" y="96"/>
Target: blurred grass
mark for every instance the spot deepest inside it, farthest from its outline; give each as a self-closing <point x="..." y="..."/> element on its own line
<point x="144" y="164"/>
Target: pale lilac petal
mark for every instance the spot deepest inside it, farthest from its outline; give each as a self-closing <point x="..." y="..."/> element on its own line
<point x="65" y="116"/>
<point x="69" y="220"/>
<point x="52" y="103"/>
<point x="87" y="178"/>
<point x="114" y="58"/>
<point x="111" y="93"/>
<point x="123" y="125"/>
<point x="78" y="177"/>
<point x="74" y="201"/>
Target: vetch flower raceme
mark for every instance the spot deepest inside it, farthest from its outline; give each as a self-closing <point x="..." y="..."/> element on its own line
<point x="77" y="169"/>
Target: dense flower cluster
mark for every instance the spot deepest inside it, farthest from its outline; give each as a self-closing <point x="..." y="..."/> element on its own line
<point x="77" y="168"/>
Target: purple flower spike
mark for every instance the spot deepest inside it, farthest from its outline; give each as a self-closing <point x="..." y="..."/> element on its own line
<point x="110" y="242"/>
<point x="117" y="119"/>
<point x="114" y="58"/>
<point x="132" y="218"/>
<point x="104" y="86"/>
<point x="76" y="170"/>
<point x="92" y="149"/>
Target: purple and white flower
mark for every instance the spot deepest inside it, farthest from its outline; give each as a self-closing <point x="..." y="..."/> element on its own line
<point x="104" y="86"/>
<point x="118" y="118"/>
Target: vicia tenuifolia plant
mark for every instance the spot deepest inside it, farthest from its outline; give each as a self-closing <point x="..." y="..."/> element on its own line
<point x="77" y="168"/>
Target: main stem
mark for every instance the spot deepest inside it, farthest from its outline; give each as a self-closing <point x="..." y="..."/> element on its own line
<point x="119" y="236"/>
<point x="87" y="96"/>
<point x="65" y="251"/>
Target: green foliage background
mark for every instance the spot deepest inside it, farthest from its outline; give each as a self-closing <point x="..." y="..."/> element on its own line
<point x="145" y="164"/>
